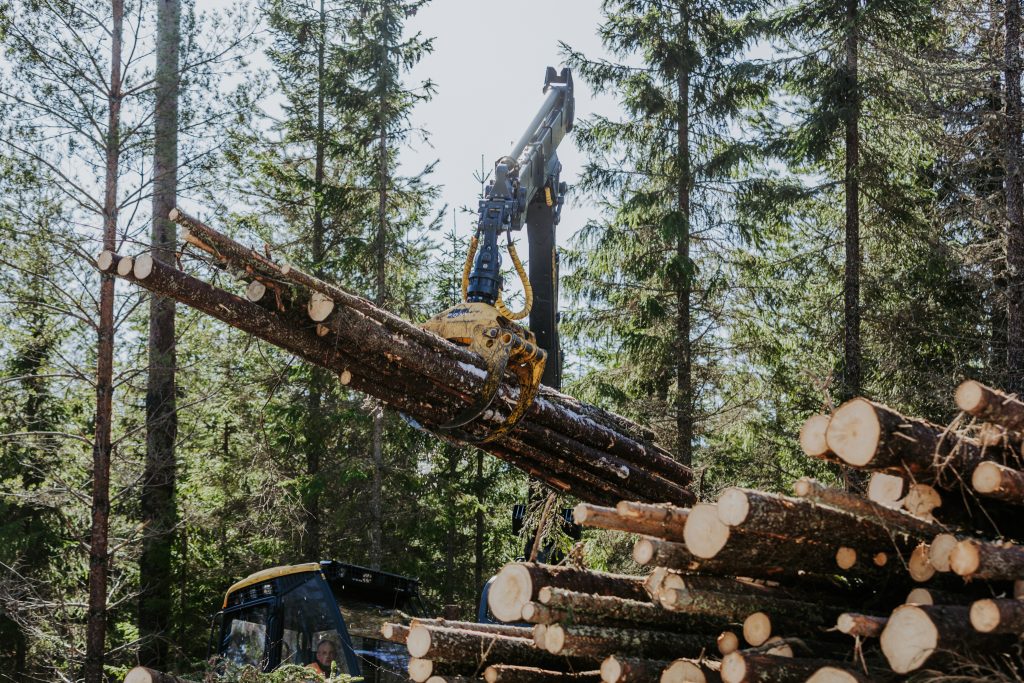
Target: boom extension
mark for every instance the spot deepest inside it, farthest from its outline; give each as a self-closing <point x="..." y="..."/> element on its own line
<point x="526" y="187"/>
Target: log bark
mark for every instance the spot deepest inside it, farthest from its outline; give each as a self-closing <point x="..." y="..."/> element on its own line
<point x="915" y="633"/>
<point x="880" y="514"/>
<point x="570" y="607"/>
<point x="990" y="405"/>
<point x="454" y="645"/>
<point x="599" y="641"/>
<point x="395" y="633"/>
<point x="609" y="518"/>
<point x="871" y="436"/>
<point x="520" y="582"/>
<point x="663" y="513"/>
<point x="741" y="667"/>
<point x="998" y="616"/>
<point x="789" y="616"/>
<point x="860" y="625"/>
<point x="592" y="427"/>
<point x="619" y="669"/>
<point x="801" y="520"/>
<point x="421" y="670"/>
<point x="143" y="674"/>
<point x="510" y="673"/>
<point x="500" y="629"/>
<point x="377" y="373"/>
<point x="973" y="559"/>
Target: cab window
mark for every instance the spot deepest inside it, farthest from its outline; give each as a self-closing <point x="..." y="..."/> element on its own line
<point x="244" y="640"/>
<point x="308" y="621"/>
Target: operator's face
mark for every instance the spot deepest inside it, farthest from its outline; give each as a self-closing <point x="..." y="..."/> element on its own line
<point x="325" y="655"/>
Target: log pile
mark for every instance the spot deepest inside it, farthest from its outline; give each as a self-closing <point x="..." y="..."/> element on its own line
<point x="574" y="448"/>
<point x="824" y="585"/>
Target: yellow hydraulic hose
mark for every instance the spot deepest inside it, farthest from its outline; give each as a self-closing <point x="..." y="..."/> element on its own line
<point x="499" y="304"/>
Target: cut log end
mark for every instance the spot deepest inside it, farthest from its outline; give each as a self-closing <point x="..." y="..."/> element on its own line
<point x="757" y="629"/>
<point x="704" y="533"/>
<point x="319" y="307"/>
<point x="919" y="566"/>
<point x="490" y="674"/>
<point x="965" y="558"/>
<point x="255" y="291"/>
<point x="125" y="266"/>
<point x="831" y="674"/>
<point x="611" y="670"/>
<point x="734" y="668"/>
<point x="174" y="214"/>
<point x="733" y="507"/>
<point x="418" y="641"/>
<point x="812" y="436"/>
<point x="511" y="590"/>
<point x="683" y="671"/>
<point x="909" y="639"/>
<point x="643" y="551"/>
<point x="921" y="500"/>
<point x="728" y="642"/>
<point x="846" y="557"/>
<point x="970" y="396"/>
<point x="985" y="616"/>
<point x="920" y="596"/>
<point x="105" y="261"/>
<point x="139" y="674"/>
<point x="886" y="489"/>
<point x="143" y="266"/>
<point x="880" y="559"/>
<point x="853" y="432"/>
<point x="940" y="551"/>
<point x="987" y="478"/>
<point x="540" y="636"/>
<point x="420" y="669"/>
<point x="345" y="377"/>
<point x="554" y="642"/>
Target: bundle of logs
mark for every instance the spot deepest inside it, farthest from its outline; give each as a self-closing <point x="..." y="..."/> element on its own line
<point x="919" y="572"/>
<point x="572" y="447"/>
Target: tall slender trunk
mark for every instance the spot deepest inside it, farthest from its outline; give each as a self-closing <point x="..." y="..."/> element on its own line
<point x="1014" y="199"/>
<point x="851" y="186"/>
<point x="376" y="530"/>
<point x="683" y="285"/>
<point x="96" y="620"/>
<point x="159" y="508"/>
<point x="478" y="565"/>
<point x="318" y="376"/>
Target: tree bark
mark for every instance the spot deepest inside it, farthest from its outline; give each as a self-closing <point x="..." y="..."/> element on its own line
<point x="454" y="645"/>
<point x="684" y="403"/>
<point x="509" y="673"/>
<point x="993" y="480"/>
<point x="159" y="506"/>
<point x="1014" y="188"/>
<point x="787" y="616"/>
<point x="573" y="608"/>
<point x="973" y="559"/>
<point x="860" y="625"/>
<point x="743" y="667"/>
<point x="851" y="186"/>
<point x="619" y="669"/>
<point x="801" y="520"/>
<point x="96" y="620"/>
<point x="866" y="509"/>
<point x="915" y="633"/>
<point x="599" y="642"/>
<point x="609" y="518"/>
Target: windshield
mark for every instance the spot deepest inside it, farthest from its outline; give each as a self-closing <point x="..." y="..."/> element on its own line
<point x="245" y="636"/>
<point x="310" y="634"/>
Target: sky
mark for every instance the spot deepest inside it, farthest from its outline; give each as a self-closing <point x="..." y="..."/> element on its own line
<point x="488" y="66"/>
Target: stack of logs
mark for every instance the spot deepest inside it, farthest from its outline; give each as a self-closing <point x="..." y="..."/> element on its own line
<point x="822" y="586"/>
<point x="573" y="447"/>
<point x="755" y="587"/>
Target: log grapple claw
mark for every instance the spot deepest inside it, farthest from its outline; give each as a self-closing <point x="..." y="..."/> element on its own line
<point x="504" y="346"/>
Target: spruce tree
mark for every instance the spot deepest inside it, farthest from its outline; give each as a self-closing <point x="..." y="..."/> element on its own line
<point x="646" y="272"/>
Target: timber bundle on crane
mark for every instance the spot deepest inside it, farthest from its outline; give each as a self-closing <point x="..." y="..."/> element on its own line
<point x="922" y="572"/>
<point x="574" y="448"/>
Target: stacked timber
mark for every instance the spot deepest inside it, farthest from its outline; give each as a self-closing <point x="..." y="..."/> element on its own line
<point x="824" y="585"/>
<point x="574" y="448"/>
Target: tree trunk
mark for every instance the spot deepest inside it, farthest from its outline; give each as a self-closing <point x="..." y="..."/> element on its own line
<point x="455" y="645"/>
<point x="159" y="507"/>
<point x="586" y="514"/>
<point x="1014" y="188"/>
<point x="684" y="407"/>
<point x="598" y="642"/>
<point x="618" y="669"/>
<point x="866" y="509"/>
<point x="914" y="634"/>
<point x="851" y="186"/>
<point x="478" y="555"/>
<point x="508" y="673"/>
<point x="96" y="620"/>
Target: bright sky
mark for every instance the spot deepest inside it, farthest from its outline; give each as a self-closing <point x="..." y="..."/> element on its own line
<point x="488" y="64"/>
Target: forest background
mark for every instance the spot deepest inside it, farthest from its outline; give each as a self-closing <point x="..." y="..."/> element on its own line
<point x="789" y="203"/>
